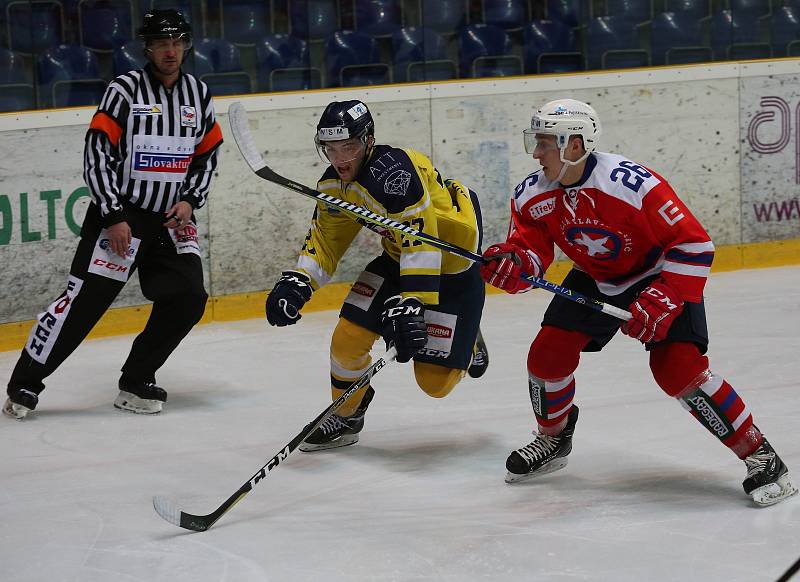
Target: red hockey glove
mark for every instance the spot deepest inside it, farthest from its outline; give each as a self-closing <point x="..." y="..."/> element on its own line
<point x="653" y="312"/>
<point x="505" y="263"/>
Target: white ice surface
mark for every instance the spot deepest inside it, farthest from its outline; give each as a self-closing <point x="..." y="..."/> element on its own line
<point x="647" y="495"/>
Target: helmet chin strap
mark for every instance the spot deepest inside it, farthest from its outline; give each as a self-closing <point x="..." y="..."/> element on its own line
<point x="565" y="163"/>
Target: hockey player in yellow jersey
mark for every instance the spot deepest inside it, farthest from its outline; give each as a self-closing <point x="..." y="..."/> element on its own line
<point x="425" y="302"/>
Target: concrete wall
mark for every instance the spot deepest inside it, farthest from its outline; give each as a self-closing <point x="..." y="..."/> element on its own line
<point x="726" y="136"/>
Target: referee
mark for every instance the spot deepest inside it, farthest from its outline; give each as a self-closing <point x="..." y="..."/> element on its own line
<point x="150" y="154"/>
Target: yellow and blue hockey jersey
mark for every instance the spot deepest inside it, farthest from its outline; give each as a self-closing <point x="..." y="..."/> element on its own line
<point x="401" y="184"/>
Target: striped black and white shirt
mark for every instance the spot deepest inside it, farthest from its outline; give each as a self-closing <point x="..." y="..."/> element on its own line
<point x="151" y="148"/>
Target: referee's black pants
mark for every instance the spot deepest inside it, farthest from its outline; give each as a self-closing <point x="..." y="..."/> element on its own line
<point x="172" y="281"/>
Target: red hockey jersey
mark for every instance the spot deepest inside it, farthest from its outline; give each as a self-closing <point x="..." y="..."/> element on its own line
<point x="621" y="223"/>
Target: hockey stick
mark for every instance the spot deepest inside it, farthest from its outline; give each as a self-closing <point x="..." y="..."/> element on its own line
<point x="790" y="572"/>
<point x="172" y="514"/>
<point x="237" y="115"/>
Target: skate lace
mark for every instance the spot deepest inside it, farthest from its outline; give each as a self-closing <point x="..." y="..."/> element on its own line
<point x="539" y="448"/>
<point x="331" y="424"/>
<point x="757" y="462"/>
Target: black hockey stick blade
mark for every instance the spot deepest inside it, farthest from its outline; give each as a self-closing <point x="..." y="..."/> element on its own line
<point x="170" y="512"/>
<point x="237" y="116"/>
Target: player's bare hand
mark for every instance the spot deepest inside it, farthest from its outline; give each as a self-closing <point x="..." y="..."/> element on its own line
<point x="119" y="235"/>
<point x="179" y="215"/>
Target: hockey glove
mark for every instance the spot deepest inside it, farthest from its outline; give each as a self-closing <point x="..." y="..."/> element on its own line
<point x="287" y="297"/>
<point x="504" y="264"/>
<point x="653" y="312"/>
<point x="403" y="326"/>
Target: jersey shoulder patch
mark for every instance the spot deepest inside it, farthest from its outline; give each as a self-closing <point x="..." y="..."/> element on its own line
<point x="391" y="178"/>
<point x="622" y="178"/>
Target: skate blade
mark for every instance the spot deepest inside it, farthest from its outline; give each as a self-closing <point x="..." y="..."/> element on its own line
<point x="15" y="411"/>
<point x="132" y="403"/>
<point x="550" y="467"/>
<point x="774" y="492"/>
<point x="348" y="439"/>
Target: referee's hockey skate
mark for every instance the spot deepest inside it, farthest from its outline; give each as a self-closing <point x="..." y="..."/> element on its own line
<point x="19" y="403"/>
<point x="338" y="431"/>
<point x="140" y="397"/>
<point x="545" y="454"/>
<point x="767" y="479"/>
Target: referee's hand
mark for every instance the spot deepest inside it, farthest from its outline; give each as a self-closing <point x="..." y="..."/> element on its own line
<point x="179" y="215"/>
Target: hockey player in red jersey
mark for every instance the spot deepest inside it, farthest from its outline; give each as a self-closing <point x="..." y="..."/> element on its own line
<point x="636" y="245"/>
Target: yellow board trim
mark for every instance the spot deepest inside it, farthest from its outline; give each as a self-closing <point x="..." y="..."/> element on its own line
<point x="126" y="320"/>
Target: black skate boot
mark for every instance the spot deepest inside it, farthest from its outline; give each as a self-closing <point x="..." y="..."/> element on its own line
<point x="20" y="402"/>
<point x="767" y="479"/>
<point x="544" y="455"/>
<point x="140" y="397"/>
<point x="480" y="358"/>
<point x="338" y="431"/>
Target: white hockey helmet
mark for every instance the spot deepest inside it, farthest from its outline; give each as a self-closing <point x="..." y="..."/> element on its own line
<point x="564" y="118"/>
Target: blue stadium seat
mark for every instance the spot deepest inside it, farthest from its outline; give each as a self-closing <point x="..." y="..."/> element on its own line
<point x="282" y="63"/>
<point x="632" y="10"/>
<point x="69" y="76"/>
<point x="614" y="44"/>
<point x="245" y="22"/>
<point x="736" y="35"/>
<point x="754" y="8"/>
<point x="784" y="28"/>
<point x="444" y="16"/>
<point x="420" y="54"/>
<point x="696" y="9"/>
<point x="129" y="57"/>
<point x="104" y="25"/>
<point x="378" y="17"/>
<point x="217" y="63"/>
<point x="549" y="47"/>
<point x="32" y="27"/>
<point x="677" y="38"/>
<point x="485" y="51"/>
<point x="16" y="83"/>
<point x="573" y="13"/>
<point x="353" y="60"/>
<point x="313" y="19"/>
<point x="508" y="14"/>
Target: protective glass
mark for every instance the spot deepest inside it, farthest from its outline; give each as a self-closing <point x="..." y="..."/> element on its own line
<point x="539" y="145"/>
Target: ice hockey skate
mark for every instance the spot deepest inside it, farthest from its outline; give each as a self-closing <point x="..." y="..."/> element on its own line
<point x="480" y="358"/>
<point x="767" y="479"/>
<point x="545" y="454"/>
<point x="19" y="403"/>
<point x="140" y="397"/>
<point x="338" y="431"/>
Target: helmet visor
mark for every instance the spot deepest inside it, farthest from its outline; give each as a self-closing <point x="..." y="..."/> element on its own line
<point x="341" y="151"/>
<point x="165" y="41"/>
<point x="537" y="142"/>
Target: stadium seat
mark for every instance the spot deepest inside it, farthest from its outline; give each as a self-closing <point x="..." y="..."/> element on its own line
<point x="736" y="35"/>
<point x="32" y="27"/>
<point x="420" y="54"/>
<point x="485" y="51"/>
<point x="129" y="57"/>
<point x="353" y="60"/>
<point x="69" y="76"/>
<point x="378" y="18"/>
<point x="754" y="8"/>
<point x="245" y="22"/>
<point x="677" y="38"/>
<point x="444" y="16"/>
<point x="632" y="10"/>
<point x="16" y="83"/>
<point x="573" y="13"/>
<point x="313" y="20"/>
<point x="614" y="43"/>
<point x="784" y="28"/>
<point x="104" y="25"/>
<point x="508" y="14"/>
<point x="282" y="63"/>
<point x="218" y="64"/>
<point x="549" y="47"/>
<point x="696" y="9"/>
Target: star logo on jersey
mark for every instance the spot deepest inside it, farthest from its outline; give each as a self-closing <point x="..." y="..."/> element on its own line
<point x="597" y="243"/>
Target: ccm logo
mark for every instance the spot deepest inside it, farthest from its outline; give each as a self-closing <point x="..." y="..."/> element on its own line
<point x="110" y="266"/>
<point x="363" y="289"/>
<point x="439" y="331"/>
